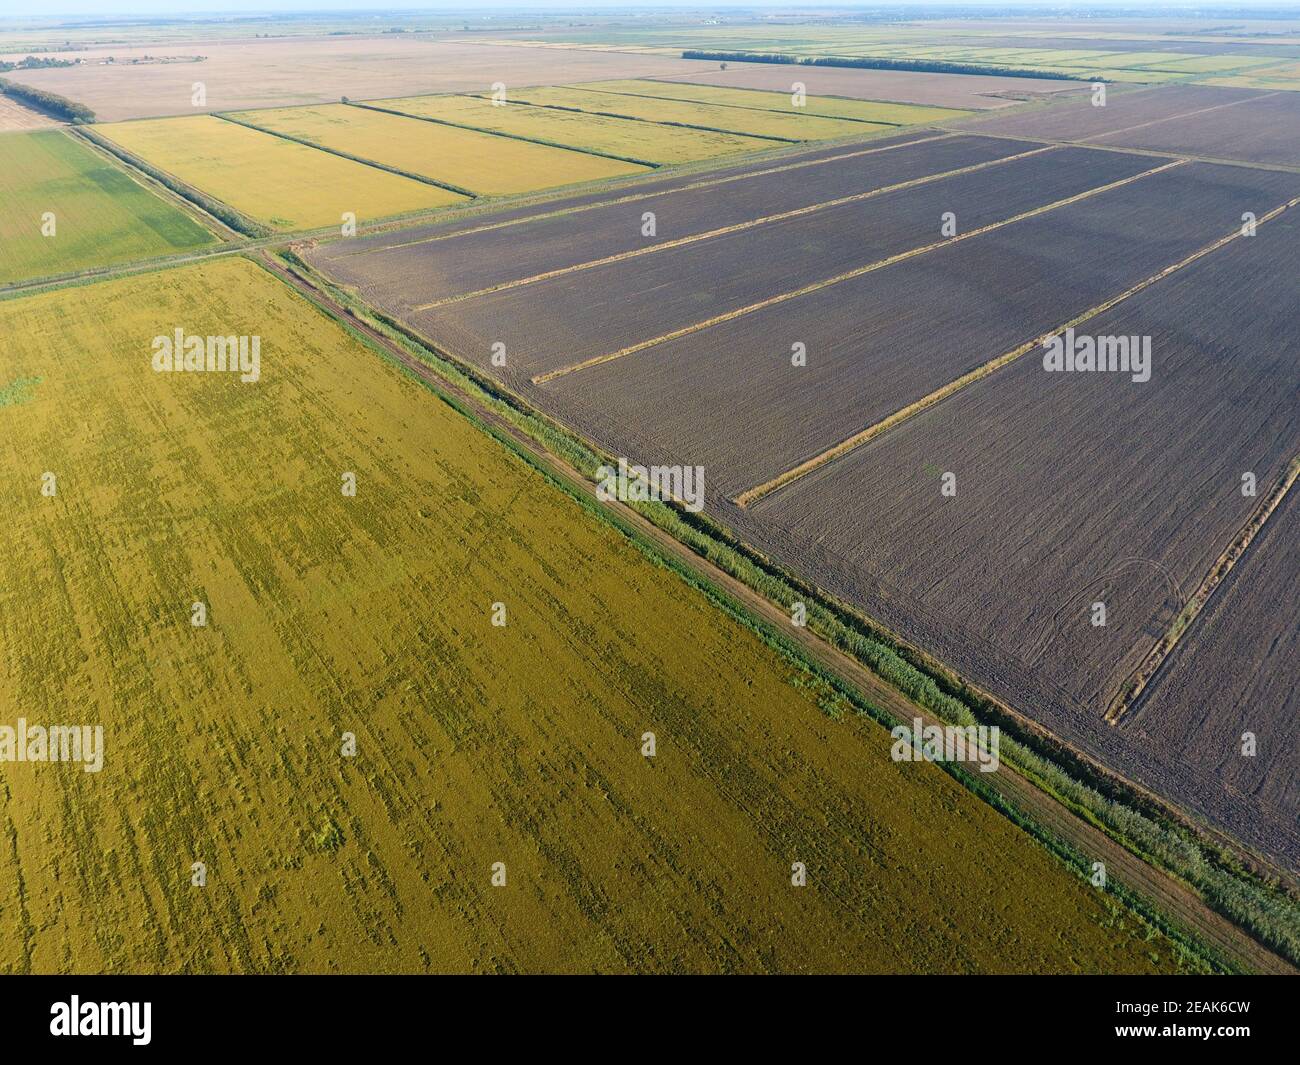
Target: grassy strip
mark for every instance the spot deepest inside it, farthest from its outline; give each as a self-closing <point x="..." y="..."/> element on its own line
<point x="1139" y="825"/>
<point x="349" y="156"/>
<point x="50" y="103"/>
<point x="836" y="696"/>
<point x="236" y="220"/>
<point x="510" y="136"/>
<point x="924" y="66"/>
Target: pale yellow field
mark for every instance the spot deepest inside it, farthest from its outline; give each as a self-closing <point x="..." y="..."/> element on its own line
<point x="795" y="127"/>
<point x="623" y="137"/>
<point x="823" y="106"/>
<point x="371" y="614"/>
<point x="288" y="186"/>
<point x="481" y="163"/>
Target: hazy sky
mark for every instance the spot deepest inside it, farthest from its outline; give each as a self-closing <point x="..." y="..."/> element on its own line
<point x="56" y="8"/>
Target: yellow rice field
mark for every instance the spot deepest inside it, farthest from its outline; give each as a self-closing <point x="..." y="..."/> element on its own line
<point x="623" y="137"/>
<point x="286" y="185"/>
<point x="480" y="163"/>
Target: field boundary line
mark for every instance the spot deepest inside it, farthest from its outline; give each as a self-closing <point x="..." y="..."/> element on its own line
<point x="498" y="133"/>
<point x="970" y="112"/>
<point x="1149" y="669"/>
<point x="1127" y="149"/>
<point x="852" y="443"/>
<point x="209" y="221"/>
<point x="374" y="164"/>
<point x="747" y="107"/>
<point x="859" y="271"/>
<point x="631" y="197"/>
<point x="1186" y="114"/>
<point x="653" y="122"/>
<point x="738" y="227"/>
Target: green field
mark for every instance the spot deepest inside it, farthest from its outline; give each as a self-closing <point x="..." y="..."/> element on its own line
<point x="328" y="614"/>
<point x="101" y="215"/>
<point x="622" y="137"/>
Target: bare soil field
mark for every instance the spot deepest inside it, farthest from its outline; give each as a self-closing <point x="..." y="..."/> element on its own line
<point x="277" y="73"/>
<point x="1080" y="488"/>
<point x="1234" y="673"/>
<point x="1262" y="130"/>
<point x="974" y="91"/>
<point x="15" y="117"/>
<point x="1241" y="124"/>
<point x="885" y="339"/>
<point x="548" y="325"/>
<point x="405" y="270"/>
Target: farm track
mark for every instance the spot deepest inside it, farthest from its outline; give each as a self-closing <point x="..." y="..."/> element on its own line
<point x="1173" y="897"/>
<point x="847" y="276"/>
<point x="871" y="432"/>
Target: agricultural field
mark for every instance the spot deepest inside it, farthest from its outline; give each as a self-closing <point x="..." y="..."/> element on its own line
<point x="1262" y="130"/>
<point x="101" y="215"/>
<point x="411" y="268"/>
<point x="1131" y="64"/>
<point x="1051" y="515"/>
<point x="483" y="488"/>
<point x="1032" y="274"/>
<point x="281" y="183"/>
<point x="1235" y="674"/>
<point x="1218" y="123"/>
<point x="775" y="126"/>
<point x="883" y="339"/>
<point x="327" y="614"/>
<point x="14" y="116"/>
<point x="248" y="74"/>
<point x="973" y="92"/>
<point x="824" y="107"/>
<point x="623" y="138"/>
<point x="692" y="284"/>
<point x="479" y="164"/>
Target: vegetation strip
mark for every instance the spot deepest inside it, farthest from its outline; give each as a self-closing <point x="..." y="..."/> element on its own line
<point x="1218" y="573"/>
<point x="347" y="155"/>
<point x="634" y="197"/>
<point x="752" y="495"/>
<point x="1217" y="881"/>
<point x="507" y="136"/>
<point x="816" y="286"/>
<point x="725" y="230"/>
